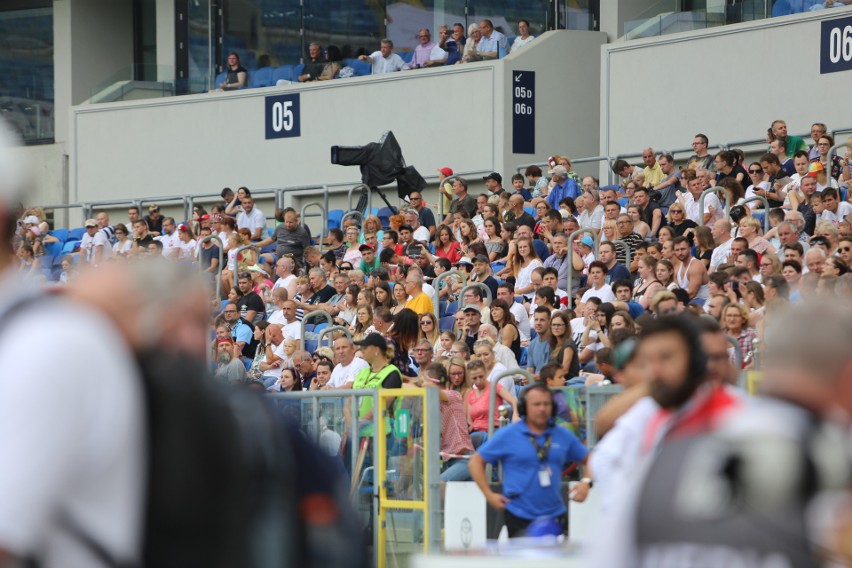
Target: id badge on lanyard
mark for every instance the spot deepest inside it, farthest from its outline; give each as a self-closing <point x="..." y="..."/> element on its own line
<point x="544" y="473"/>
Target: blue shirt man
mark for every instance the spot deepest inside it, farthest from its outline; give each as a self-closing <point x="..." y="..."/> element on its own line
<point x="534" y="453"/>
<point x="538" y="351"/>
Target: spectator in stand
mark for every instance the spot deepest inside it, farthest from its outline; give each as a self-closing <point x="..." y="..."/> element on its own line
<point x="735" y="322"/>
<point x="651" y="212"/>
<point x="314" y="66"/>
<point x="251" y="218"/>
<point x="750" y="229"/>
<point x="690" y="273"/>
<point x="627" y="235"/>
<point x="290" y="238"/>
<point x="562" y="186"/>
<point x="808" y="187"/>
<point x="132" y="216"/>
<point x="419" y="301"/>
<point x="727" y="166"/>
<point x="523" y="37"/>
<point x="839" y="168"/>
<point x="427" y="217"/>
<point x="670" y="184"/>
<point x="384" y="60"/>
<point x="455" y="44"/>
<point x="630" y="173"/>
<point x="462" y="201"/>
<point x="348" y="365"/>
<point x="123" y="244"/>
<point x="614" y="270"/>
<point x="592" y="215"/>
<point x="563" y="349"/>
<point x="713" y="210"/>
<point x="701" y="158"/>
<point x="494" y="185"/>
<point x="652" y="171"/>
<point x="237" y="77"/>
<point x="598" y="280"/>
<point x="516" y="212"/>
<point x="559" y="260"/>
<point x="778" y="131"/>
<point x="94" y="247"/>
<point x="775" y="176"/>
<point x="427" y="53"/>
<point x="474" y="36"/>
<point x="493" y="44"/>
<point x="154" y="220"/>
<point x="185" y="248"/>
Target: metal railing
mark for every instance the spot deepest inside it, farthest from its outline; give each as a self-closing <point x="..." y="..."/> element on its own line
<point x="727" y="206"/>
<point x="625" y="247"/>
<point x="492" y="393"/>
<point x="310" y="315"/>
<point x="436" y="284"/>
<point x="323" y="215"/>
<point x="221" y="260"/>
<point x="765" y="203"/>
<point x="352" y="213"/>
<point x="241" y="249"/>
<point x="571" y="238"/>
<point x="360" y="187"/>
<point x="329" y="330"/>
<point x="462" y="303"/>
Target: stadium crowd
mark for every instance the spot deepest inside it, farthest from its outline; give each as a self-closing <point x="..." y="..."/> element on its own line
<point x="552" y="274"/>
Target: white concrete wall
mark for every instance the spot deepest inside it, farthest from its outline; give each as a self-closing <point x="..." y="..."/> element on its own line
<point x="457" y="117"/>
<point x="729" y="83"/>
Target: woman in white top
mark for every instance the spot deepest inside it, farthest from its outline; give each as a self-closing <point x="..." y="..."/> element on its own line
<point x="123" y="245"/>
<point x="186" y="243"/>
<point x="474" y="34"/>
<point x="524" y="36"/>
<point x="353" y="254"/>
<point x="524" y="261"/>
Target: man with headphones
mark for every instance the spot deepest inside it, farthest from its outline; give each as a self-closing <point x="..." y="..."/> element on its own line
<point x="534" y="452"/>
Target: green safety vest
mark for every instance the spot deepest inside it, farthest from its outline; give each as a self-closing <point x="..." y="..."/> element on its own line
<point x="367" y="379"/>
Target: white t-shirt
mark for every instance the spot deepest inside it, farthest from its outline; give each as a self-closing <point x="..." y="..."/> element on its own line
<point x="292" y="330"/>
<point x="604" y="293"/>
<point x="523" y="320"/>
<point x="720" y="253"/>
<point x="252" y="220"/>
<point x="386" y="64"/>
<point x="519" y="43"/>
<point x="86" y="460"/>
<point x="169" y="242"/>
<point x="278" y="351"/>
<point x="422" y="234"/>
<point x="711" y="200"/>
<point x="125" y="248"/>
<point x="507" y="383"/>
<point x="283" y="283"/>
<point x="346" y="374"/>
<point x="89" y="243"/>
<point x="186" y="251"/>
<point x="844" y="208"/>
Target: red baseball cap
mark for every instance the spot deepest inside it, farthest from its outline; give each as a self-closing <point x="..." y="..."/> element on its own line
<point x="446" y="171"/>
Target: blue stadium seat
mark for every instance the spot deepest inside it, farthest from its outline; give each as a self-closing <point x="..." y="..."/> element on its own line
<point x="384" y="216"/>
<point x="623" y="201"/>
<point x="447" y="323"/>
<point x="283" y="73"/>
<point x="406" y="56"/>
<point x="220" y="78"/>
<point x="68" y="247"/>
<point x="61" y="234"/>
<point x="523" y="360"/>
<point x="76" y="234"/>
<point x="46" y="261"/>
<point x="530" y="211"/>
<point x="269" y="231"/>
<point x="53" y="249"/>
<point x="362" y="68"/>
<point x="309" y="327"/>
<point x="262" y="77"/>
<point x="442" y="308"/>
<point x="452" y="308"/>
<point x="310" y="345"/>
<point x="298" y="70"/>
<point x="335" y="216"/>
<point x="320" y="326"/>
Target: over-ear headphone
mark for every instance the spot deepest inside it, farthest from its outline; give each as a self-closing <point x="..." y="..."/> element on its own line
<point x="522" y="400"/>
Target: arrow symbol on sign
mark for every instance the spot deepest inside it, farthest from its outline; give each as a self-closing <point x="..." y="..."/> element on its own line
<point x="518" y="78"/>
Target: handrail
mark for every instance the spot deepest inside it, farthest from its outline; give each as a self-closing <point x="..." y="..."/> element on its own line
<point x="492" y="395"/>
<point x="306" y="317"/>
<point x="323" y="216"/>
<point x="717" y="189"/>
<point x="221" y="260"/>
<point x="474" y="285"/>
<point x="241" y="249"/>
<point x="352" y="213"/>
<point x="360" y="187"/>
<point x="738" y="352"/>
<point x="765" y="209"/>
<point x="449" y="179"/>
<point x="187" y="208"/>
<point x="571" y="238"/>
<point x="436" y="284"/>
<point x="331" y="329"/>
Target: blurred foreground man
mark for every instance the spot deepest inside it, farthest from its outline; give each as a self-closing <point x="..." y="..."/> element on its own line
<point x="72" y="451"/>
<point x="735" y="485"/>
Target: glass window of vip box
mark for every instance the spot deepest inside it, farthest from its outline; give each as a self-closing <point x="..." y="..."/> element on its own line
<point x="26" y="57"/>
